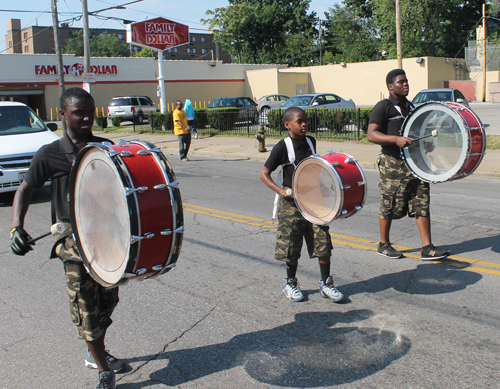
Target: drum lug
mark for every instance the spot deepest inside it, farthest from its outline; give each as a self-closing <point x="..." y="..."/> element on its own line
<point x="141" y="189"/>
<point x="346" y="187"/>
<point x="330" y="152"/>
<point x="141" y="271"/>
<point x="166" y="232"/>
<point x="316" y="155"/>
<point x="126" y="153"/>
<point x="157" y="267"/>
<point x="160" y="187"/>
<point x="122" y="142"/>
<point x="357" y="207"/>
<point x="350" y="160"/>
<point x="361" y="183"/>
<point x="171" y="265"/>
<point x="344" y="211"/>
<point x="136" y="238"/>
<point x="143" y="152"/>
<point x="335" y="163"/>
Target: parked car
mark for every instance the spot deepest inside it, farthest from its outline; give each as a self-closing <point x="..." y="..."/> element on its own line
<point x="248" y="107"/>
<point x="131" y="108"/>
<point x="271" y="101"/>
<point x="319" y="100"/>
<point x="440" y="94"/>
<point x="22" y="133"/>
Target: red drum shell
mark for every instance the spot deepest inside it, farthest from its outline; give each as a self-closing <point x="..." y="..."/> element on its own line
<point x="126" y="211"/>
<point x="458" y="148"/>
<point x="329" y="187"/>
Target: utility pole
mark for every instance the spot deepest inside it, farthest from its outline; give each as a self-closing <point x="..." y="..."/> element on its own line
<point x="320" y="38"/>
<point x="398" y="35"/>
<point x="57" y="43"/>
<point x="484" y="53"/>
<point x="86" y="43"/>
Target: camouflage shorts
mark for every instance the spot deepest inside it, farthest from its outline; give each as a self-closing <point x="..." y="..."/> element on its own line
<point x="91" y="304"/>
<point x="293" y="229"/>
<point x="402" y="194"/>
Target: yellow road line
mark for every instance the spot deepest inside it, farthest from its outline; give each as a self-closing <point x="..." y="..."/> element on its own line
<point x="350" y="241"/>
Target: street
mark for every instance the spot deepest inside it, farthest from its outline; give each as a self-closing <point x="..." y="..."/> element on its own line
<point x="220" y="320"/>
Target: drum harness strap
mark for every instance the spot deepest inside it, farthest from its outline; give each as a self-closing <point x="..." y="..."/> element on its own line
<point x="291" y="158"/>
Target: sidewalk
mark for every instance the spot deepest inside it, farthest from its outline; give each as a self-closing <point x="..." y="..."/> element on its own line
<point x="247" y="148"/>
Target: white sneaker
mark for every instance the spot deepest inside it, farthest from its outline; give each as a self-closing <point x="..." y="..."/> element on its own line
<point x="291" y="289"/>
<point x="328" y="290"/>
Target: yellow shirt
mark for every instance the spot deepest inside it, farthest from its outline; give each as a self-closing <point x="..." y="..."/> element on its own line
<point x="179" y="115"/>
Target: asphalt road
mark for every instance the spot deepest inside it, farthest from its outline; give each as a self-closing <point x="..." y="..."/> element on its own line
<point x="219" y="319"/>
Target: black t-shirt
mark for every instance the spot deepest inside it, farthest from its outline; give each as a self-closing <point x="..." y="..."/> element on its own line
<point x="386" y="115"/>
<point x="279" y="156"/>
<point x="54" y="162"/>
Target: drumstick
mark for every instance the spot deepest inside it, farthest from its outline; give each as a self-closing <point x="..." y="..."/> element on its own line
<point x="289" y="192"/>
<point x="55" y="229"/>
<point x="433" y="133"/>
<point x="33" y="240"/>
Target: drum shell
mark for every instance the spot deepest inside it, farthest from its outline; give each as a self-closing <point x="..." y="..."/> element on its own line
<point x="473" y="143"/>
<point x="349" y="187"/>
<point x="150" y="212"/>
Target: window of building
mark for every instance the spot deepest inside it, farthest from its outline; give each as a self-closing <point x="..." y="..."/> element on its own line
<point x="26" y="49"/>
<point x="121" y="36"/>
<point x="10" y="43"/>
<point x="191" y="50"/>
<point x="174" y="50"/>
<point x="25" y="35"/>
<point x="193" y="39"/>
<point x="203" y="51"/>
<point x="204" y="40"/>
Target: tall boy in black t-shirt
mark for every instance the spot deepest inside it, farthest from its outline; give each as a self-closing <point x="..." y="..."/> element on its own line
<point x="293" y="227"/>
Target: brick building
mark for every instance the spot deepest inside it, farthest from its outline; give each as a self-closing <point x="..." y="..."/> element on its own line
<point x="40" y="40"/>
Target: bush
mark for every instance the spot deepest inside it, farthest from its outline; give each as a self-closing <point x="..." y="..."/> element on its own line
<point x="223" y="119"/>
<point x="156" y="120"/>
<point x="101" y="121"/>
<point x="200" y="118"/>
<point x="275" y="118"/>
<point x="364" y="118"/>
<point x="117" y="121"/>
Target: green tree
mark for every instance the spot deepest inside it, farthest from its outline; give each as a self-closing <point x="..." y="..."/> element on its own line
<point x="146" y="53"/>
<point x="104" y="45"/>
<point x="263" y="31"/>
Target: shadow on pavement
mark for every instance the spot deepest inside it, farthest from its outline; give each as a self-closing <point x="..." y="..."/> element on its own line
<point x="305" y="353"/>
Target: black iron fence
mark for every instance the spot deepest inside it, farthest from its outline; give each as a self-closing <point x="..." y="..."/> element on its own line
<point x="345" y="124"/>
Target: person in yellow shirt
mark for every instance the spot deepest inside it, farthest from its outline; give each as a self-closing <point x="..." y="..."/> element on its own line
<point x="181" y="130"/>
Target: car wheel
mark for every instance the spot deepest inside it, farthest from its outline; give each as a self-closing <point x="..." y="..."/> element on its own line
<point x="140" y="119"/>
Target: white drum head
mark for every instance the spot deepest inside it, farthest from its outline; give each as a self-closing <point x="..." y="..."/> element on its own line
<point x="317" y="190"/>
<point x="101" y="216"/>
<point x="439" y="158"/>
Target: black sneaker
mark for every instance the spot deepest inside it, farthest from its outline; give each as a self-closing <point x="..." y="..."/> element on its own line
<point x="114" y="363"/>
<point x="388" y="251"/>
<point x="431" y="253"/>
<point x="106" y="380"/>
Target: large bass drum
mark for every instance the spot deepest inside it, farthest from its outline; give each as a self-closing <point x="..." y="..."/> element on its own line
<point x="126" y="211"/>
<point x="329" y="187"/>
<point x="455" y="147"/>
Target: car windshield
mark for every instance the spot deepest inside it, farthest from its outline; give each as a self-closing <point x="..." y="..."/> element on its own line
<point x="424" y="97"/>
<point x="223" y="102"/>
<point x="116" y="102"/>
<point x="19" y="120"/>
<point x="298" y="100"/>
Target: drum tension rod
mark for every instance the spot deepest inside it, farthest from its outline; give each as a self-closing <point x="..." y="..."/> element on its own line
<point x="177" y="231"/>
<point x="141" y="189"/>
<point x="136" y="238"/>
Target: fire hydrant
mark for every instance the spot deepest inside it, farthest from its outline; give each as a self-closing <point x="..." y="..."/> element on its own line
<point x="261" y="137"/>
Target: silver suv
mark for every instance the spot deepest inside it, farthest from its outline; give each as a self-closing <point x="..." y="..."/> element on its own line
<point x="131" y="108"/>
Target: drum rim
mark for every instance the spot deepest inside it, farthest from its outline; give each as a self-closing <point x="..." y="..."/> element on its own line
<point x="339" y="188"/>
<point x="466" y="144"/>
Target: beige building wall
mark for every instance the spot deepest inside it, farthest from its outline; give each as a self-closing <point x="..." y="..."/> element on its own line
<point x="261" y="82"/>
<point x="491" y="77"/>
<point x="289" y="83"/>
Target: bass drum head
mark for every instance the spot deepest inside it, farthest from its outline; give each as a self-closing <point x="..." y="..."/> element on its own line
<point x="317" y="190"/>
<point x="437" y="158"/>
<point x="101" y="216"/>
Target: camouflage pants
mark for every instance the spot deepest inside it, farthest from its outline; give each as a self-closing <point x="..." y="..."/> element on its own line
<point x="293" y="229"/>
<point x="402" y="194"/>
<point x="91" y="304"/>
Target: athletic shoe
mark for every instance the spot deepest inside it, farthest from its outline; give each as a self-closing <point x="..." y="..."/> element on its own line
<point x="185" y="159"/>
<point x="388" y="251"/>
<point x="106" y="380"/>
<point x="196" y="136"/>
<point x="114" y="363"/>
<point x="431" y="252"/>
<point x="291" y="289"/>
<point x="328" y="290"/>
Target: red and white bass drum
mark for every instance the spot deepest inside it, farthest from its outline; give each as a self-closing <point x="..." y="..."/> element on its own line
<point x="329" y="187"/>
<point x="454" y="143"/>
<point x="126" y="211"/>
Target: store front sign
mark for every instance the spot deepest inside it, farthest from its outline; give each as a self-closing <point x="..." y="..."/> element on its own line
<point x="76" y="69"/>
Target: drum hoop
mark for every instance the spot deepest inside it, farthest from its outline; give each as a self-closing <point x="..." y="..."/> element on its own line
<point x="340" y="193"/>
<point x="466" y="142"/>
<point x="131" y="202"/>
<point x="174" y="193"/>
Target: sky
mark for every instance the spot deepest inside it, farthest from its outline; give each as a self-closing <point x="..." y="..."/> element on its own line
<point x="187" y="12"/>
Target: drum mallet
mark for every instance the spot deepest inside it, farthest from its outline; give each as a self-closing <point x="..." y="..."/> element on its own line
<point x="56" y="230"/>
<point x="433" y="133"/>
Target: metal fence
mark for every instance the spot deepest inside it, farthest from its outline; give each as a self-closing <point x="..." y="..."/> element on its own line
<point x="346" y="124"/>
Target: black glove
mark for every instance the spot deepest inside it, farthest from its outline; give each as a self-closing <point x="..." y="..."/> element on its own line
<point x="19" y="241"/>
